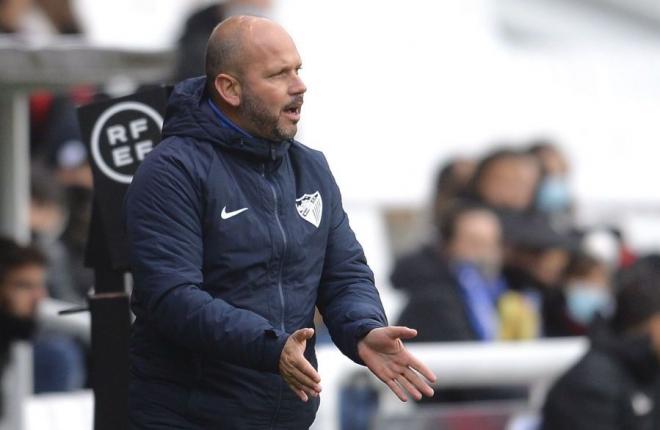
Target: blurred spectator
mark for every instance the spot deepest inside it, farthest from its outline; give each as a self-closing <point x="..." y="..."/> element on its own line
<point x="507" y="180"/>
<point x="554" y="195"/>
<point x="455" y="284"/>
<point x="451" y="182"/>
<point x="59" y="361"/>
<point x="22" y="280"/>
<point x="586" y="293"/>
<point x="456" y="288"/>
<point x="615" y="386"/>
<point x="536" y="257"/>
<point x="198" y="27"/>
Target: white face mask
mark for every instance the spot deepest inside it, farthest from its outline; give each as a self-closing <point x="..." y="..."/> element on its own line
<point x="584" y="300"/>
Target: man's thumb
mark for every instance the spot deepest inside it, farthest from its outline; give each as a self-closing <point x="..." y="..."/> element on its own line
<point x="303" y="334"/>
<point x="398" y="332"/>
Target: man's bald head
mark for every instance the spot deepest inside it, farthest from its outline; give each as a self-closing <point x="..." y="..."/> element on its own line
<point x="228" y="49"/>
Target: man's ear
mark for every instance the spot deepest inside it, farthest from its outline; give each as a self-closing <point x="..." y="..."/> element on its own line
<point x="228" y="88"/>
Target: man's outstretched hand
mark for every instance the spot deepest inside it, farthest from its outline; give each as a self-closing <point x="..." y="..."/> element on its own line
<point x="384" y="354"/>
<point x="294" y="367"/>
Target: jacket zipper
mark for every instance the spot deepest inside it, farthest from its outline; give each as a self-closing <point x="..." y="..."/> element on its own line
<point x="279" y="277"/>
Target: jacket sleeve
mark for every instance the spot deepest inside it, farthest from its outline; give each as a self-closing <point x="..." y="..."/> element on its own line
<point x="164" y="209"/>
<point x="578" y="403"/>
<point x="348" y="300"/>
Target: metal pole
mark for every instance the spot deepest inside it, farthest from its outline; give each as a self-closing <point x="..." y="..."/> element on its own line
<point x="14" y="165"/>
<point x="110" y="326"/>
<point x="14" y="207"/>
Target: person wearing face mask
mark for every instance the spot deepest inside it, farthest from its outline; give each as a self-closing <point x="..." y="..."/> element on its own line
<point x="22" y="287"/>
<point x="615" y="386"/>
<point x="585" y="295"/>
<point x="553" y="196"/>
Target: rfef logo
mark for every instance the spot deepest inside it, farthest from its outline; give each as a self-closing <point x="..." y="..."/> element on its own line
<point x="122" y="136"/>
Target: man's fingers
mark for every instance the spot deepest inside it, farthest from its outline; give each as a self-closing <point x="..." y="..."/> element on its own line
<point x="398" y="332"/>
<point x="409" y="387"/>
<point x="411" y="376"/>
<point x="300" y="393"/>
<point x="304" y="380"/>
<point x="307" y="369"/>
<point x="297" y="386"/>
<point x="421" y="368"/>
<point x="396" y="389"/>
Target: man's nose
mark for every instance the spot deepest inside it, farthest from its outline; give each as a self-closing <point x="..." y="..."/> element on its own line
<point x="297" y="86"/>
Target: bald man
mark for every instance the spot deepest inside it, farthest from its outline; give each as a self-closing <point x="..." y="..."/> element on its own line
<point x="237" y="233"/>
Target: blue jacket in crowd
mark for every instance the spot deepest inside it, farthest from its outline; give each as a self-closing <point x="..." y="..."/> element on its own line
<point x="234" y="240"/>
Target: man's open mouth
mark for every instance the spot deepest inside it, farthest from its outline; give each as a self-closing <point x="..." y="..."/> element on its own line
<point x="293" y="112"/>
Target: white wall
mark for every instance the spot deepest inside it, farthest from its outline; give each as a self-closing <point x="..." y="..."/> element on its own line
<point x="396" y="86"/>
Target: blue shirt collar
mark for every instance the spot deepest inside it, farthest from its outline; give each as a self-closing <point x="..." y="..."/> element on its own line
<point x="225" y="122"/>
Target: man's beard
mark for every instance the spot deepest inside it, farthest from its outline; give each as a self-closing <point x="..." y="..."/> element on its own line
<point x="265" y="122"/>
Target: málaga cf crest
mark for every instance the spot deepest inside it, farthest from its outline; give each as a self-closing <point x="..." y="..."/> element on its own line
<point x="310" y="208"/>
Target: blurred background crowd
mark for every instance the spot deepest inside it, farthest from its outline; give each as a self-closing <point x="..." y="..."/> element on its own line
<point x="500" y="252"/>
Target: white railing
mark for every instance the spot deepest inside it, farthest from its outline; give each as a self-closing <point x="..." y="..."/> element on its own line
<point x="78" y="324"/>
<point x="462" y="364"/>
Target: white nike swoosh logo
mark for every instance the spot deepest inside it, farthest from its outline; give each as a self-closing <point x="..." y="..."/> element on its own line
<point x="227" y="215"/>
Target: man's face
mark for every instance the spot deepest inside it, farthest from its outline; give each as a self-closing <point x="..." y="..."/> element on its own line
<point x="510" y="183"/>
<point x="271" y="88"/>
<point x="477" y="239"/>
<point x="22" y="290"/>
